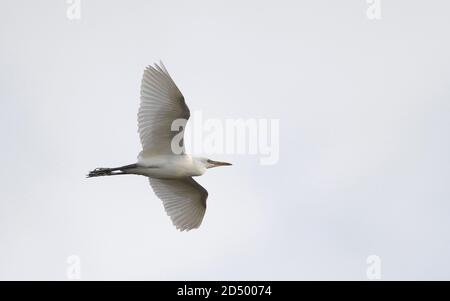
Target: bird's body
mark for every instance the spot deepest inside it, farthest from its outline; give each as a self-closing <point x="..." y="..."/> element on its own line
<point x="163" y="159"/>
<point x="169" y="166"/>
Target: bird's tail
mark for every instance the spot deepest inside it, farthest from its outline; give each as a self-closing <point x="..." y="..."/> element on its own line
<point x="100" y="172"/>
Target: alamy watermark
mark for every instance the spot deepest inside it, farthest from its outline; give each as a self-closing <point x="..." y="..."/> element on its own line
<point x="229" y="136"/>
<point x="373" y="271"/>
<point x="374" y="10"/>
<point x="73" y="271"/>
<point x="73" y="11"/>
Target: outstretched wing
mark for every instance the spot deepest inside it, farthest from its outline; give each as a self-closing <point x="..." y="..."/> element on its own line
<point x="161" y="104"/>
<point x="184" y="201"/>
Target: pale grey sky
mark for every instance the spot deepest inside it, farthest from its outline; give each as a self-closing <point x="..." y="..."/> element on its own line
<point x="364" y="110"/>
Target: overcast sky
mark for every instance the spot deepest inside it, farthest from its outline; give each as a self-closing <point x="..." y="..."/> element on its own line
<point x="364" y="113"/>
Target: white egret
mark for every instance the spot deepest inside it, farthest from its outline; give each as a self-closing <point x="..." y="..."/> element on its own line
<point x="170" y="172"/>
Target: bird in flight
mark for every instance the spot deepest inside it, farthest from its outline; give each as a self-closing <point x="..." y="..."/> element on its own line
<point x="163" y="159"/>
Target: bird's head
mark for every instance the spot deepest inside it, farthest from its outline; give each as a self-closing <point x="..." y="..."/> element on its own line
<point x="208" y="163"/>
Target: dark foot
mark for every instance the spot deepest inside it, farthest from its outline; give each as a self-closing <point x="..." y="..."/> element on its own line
<point x="98" y="172"/>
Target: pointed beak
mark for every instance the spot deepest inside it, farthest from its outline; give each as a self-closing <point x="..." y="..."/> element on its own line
<point x="218" y="163"/>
